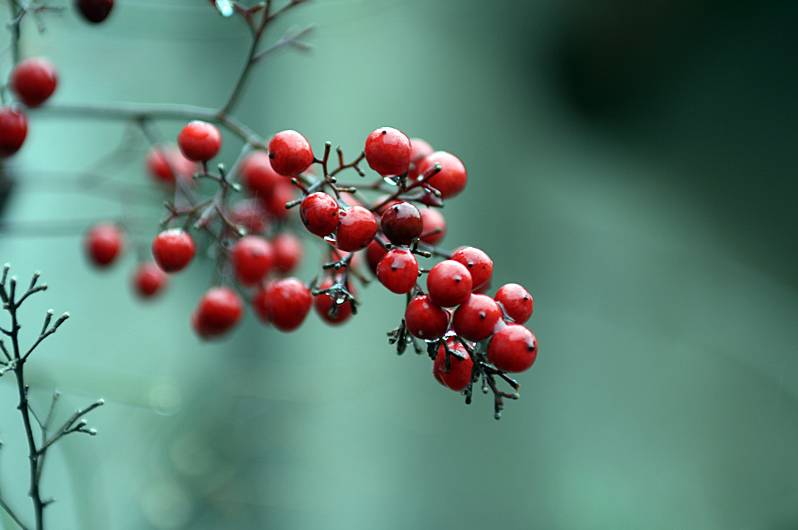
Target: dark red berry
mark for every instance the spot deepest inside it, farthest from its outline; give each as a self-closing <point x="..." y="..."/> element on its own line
<point x="149" y="280"/>
<point x="218" y="312"/>
<point x="104" y="243"/>
<point x="457" y="375"/>
<point x="199" y="141"/>
<point x="449" y="283"/>
<point x="388" y="151"/>
<point x="163" y="162"/>
<point x="516" y="301"/>
<point x="401" y="223"/>
<point x="374" y="253"/>
<point x="290" y="153"/>
<point x="398" y="270"/>
<point x="252" y="259"/>
<point x="513" y="348"/>
<point x="477" y="318"/>
<point x="173" y="249"/>
<point x="275" y="203"/>
<point x="434" y="226"/>
<point x="356" y="229"/>
<point x="319" y="213"/>
<point x="328" y="310"/>
<point x="287" y="252"/>
<point x="285" y="303"/>
<point x="258" y="176"/>
<point x="95" y="11"/>
<point x="34" y="81"/>
<point x="13" y="130"/>
<point x="478" y="263"/>
<point x="250" y="214"/>
<point x="452" y="177"/>
<point x="424" y="319"/>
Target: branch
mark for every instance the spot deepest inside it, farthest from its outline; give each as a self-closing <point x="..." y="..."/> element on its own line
<point x="12" y="514"/>
<point x="75" y="423"/>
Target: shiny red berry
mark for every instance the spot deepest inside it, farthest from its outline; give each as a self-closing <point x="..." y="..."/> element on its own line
<point x="516" y="301"/>
<point x="199" y="141"/>
<point x="149" y="280"/>
<point x="513" y="348"/>
<point x="290" y="153"/>
<point x="328" y="310"/>
<point x="34" y="80"/>
<point x="319" y="213"/>
<point x="374" y="253"/>
<point x="401" y="223"/>
<point x="477" y="318"/>
<point x="13" y="130"/>
<point x="95" y="11"/>
<point x="287" y="252"/>
<point x="218" y="312"/>
<point x="250" y="214"/>
<point x="252" y="259"/>
<point x="388" y="151"/>
<point x="356" y="229"/>
<point x="452" y="177"/>
<point x="398" y="270"/>
<point x="104" y="243"/>
<point x="163" y="162"/>
<point x="173" y="249"/>
<point x="478" y="263"/>
<point x="282" y="193"/>
<point x="449" y="283"/>
<point x="285" y="303"/>
<point x="434" y="226"/>
<point x="424" y="319"/>
<point x="457" y="375"/>
<point x="258" y="176"/>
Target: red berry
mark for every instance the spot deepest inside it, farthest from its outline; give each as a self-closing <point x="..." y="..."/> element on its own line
<point x="250" y="214"/>
<point x="95" y="11"/>
<point x="34" y="81"/>
<point x="388" y="151"/>
<point x="290" y="153"/>
<point x="477" y="317"/>
<point x="13" y="130"/>
<point x="516" y="301"/>
<point x="513" y="348"/>
<point x="319" y="213"/>
<point x="449" y="283"/>
<point x="199" y="141"/>
<point x="258" y="176"/>
<point x="104" y="243"/>
<point x="419" y="149"/>
<point x="324" y="304"/>
<point x="434" y="226"/>
<point x="458" y="375"/>
<point x="452" y="177"/>
<point x="356" y="229"/>
<point x="398" y="270"/>
<point x="149" y="280"/>
<point x="287" y="252"/>
<point x="424" y="319"/>
<point x="219" y="311"/>
<point x="285" y="303"/>
<point x="374" y="253"/>
<point x="401" y="223"/>
<point x="173" y="249"/>
<point x="479" y="265"/>
<point x="252" y="258"/>
<point x="164" y="161"/>
<point x="275" y="203"/>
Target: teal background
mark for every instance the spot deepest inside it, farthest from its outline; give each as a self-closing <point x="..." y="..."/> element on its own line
<point x="632" y="165"/>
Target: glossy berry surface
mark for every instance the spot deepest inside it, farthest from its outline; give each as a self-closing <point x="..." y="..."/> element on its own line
<point x="34" y="80"/>
<point x="319" y="213"/>
<point x="513" y="348"/>
<point x="290" y="153"/>
<point x="477" y="318"/>
<point x="433" y="226"/>
<point x="164" y="163"/>
<point x="452" y="177"/>
<point x="287" y="252"/>
<point x="252" y="259"/>
<point x="478" y="264"/>
<point x="258" y="176"/>
<point x="218" y="312"/>
<point x="517" y="302"/>
<point x="95" y="11"/>
<point x="374" y="253"/>
<point x="356" y="229"/>
<point x="424" y="319"/>
<point x="13" y="130"/>
<point x="199" y="141"/>
<point x="324" y="304"/>
<point x="149" y="280"/>
<point x="398" y="270"/>
<point x="173" y="249"/>
<point x="104" y="244"/>
<point x="285" y="303"/>
<point x="401" y="223"/>
<point x="388" y="151"/>
<point x="449" y="283"/>
<point x="457" y="375"/>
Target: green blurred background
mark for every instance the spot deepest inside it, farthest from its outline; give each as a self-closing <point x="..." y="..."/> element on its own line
<point x="631" y="163"/>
